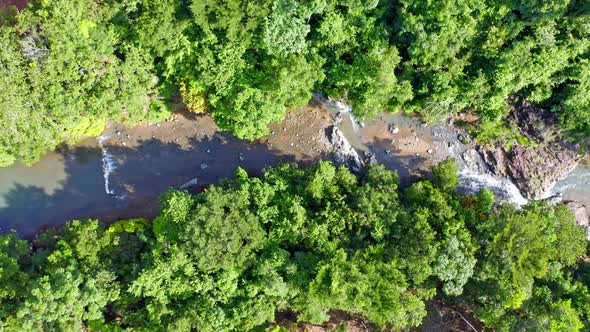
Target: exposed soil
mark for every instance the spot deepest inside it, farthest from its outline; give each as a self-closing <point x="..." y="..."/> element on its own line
<point x="397" y="141"/>
<point x="442" y="318"/>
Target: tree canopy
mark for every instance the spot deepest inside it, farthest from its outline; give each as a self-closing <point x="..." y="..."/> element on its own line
<point x="69" y="67"/>
<point x="305" y="240"/>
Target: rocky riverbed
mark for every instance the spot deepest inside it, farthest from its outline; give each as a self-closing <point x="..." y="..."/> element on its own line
<point x="121" y="173"/>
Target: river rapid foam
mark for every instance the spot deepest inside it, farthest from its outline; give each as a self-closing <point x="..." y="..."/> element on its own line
<point x="108" y="164"/>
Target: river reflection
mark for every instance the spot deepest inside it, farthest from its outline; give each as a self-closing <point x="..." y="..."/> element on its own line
<point x="146" y="160"/>
<point x="66" y="184"/>
<point x="70" y="185"/>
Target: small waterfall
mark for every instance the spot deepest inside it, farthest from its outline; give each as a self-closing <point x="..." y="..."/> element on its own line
<point x="340" y="106"/>
<point x="353" y="122"/>
<point x="348" y="124"/>
<point x="108" y="164"/>
<point x="472" y="181"/>
<point x="473" y="176"/>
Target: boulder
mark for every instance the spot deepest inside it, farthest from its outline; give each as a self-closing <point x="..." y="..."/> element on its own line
<point x="465" y="139"/>
<point x="370" y="158"/>
<point x="496" y="159"/>
<point x="393" y="129"/>
<point x="343" y="152"/>
<point x="338" y="118"/>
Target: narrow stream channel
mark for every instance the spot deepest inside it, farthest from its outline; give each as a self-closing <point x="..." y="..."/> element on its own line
<point x="121" y="173"/>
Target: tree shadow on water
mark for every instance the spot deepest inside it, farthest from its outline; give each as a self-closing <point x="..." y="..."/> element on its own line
<point x="141" y="173"/>
<point x="28" y="207"/>
<point x="409" y="167"/>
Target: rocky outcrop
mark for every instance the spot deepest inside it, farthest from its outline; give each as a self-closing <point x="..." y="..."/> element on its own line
<point x="537" y="166"/>
<point x="496" y="159"/>
<point x="536" y="170"/>
<point x="343" y="152"/>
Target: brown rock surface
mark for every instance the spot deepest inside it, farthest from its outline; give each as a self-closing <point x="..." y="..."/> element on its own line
<point x="534" y="168"/>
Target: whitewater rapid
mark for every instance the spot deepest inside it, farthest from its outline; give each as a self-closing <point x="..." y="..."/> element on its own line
<point x="108" y="164"/>
<point x="472" y="177"/>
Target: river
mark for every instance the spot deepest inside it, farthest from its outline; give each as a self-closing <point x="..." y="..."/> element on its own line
<point x="121" y="173"/>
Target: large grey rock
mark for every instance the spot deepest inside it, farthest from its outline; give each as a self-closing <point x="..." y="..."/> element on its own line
<point x="343" y="152"/>
<point x="474" y="161"/>
<point x="496" y="160"/>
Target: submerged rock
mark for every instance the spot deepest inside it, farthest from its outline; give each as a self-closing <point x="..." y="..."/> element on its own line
<point x="189" y="184"/>
<point x="554" y="199"/>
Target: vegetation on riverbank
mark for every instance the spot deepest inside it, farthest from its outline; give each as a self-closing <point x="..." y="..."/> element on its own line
<point x="68" y="67"/>
<point x="305" y="240"/>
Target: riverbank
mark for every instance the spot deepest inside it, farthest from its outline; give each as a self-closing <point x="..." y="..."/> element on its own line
<point x="121" y="174"/>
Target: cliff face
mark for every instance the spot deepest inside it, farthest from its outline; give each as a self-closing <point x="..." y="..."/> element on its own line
<point x="534" y="168"/>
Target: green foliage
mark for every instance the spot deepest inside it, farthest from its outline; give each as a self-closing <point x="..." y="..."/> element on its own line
<point x="522" y="280"/>
<point x="444" y="175"/>
<point x="64" y="75"/>
<point x="68" y="68"/>
<point x="14" y="255"/>
<point x="361" y="63"/>
<point x="573" y="106"/>
<point x="284" y="31"/>
<point x="307" y="240"/>
<point x="476" y="54"/>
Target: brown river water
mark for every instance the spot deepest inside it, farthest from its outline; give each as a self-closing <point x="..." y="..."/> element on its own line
<point x="121" y="173"/>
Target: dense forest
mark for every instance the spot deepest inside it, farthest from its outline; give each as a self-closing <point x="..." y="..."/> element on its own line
<point x="304" y="240"/>
<point x="300" y="241"/>
<point x="67" y="67"/>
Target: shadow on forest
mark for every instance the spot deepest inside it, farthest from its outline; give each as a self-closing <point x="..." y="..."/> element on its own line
<point x="141" y="174"/>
